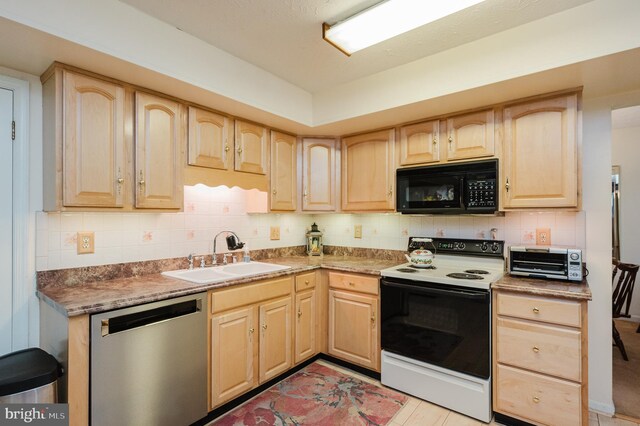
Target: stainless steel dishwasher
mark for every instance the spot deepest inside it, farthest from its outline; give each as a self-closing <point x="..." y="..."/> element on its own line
<point x="149" y="363"/>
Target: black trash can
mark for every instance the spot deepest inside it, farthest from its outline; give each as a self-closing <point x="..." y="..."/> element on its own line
<point x="29" y="376"/>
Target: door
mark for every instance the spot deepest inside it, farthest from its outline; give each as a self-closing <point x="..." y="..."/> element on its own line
<point x="283" y="172"/>
<point x="158" y="153"/>
<point x="353" y="329"/>
<point x="318" y="175"/>
<point x="275" y="338"/>
<point x="305" y="340"/>
<point x="368" y="178"/>
<point x="540" y="154"/>
<point x="419" y="143"/>
<point x="93" y="142"/>
<point x="6" y="221"/>
<point x="209" y="143"/>
<point x="233" y="344"/>
<point x="251" y="148"/>
<point x="470" y="135"/>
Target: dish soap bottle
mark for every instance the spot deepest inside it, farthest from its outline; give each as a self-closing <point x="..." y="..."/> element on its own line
<point x="246" y="258"/>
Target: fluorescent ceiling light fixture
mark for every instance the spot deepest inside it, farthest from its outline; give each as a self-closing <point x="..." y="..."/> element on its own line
<point x="386" y="20"/>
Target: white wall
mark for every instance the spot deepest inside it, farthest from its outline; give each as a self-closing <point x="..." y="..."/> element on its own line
<point x="625" y="152"/>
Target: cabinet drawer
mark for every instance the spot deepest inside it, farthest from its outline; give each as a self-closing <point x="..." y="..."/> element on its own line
<point x="305" y="281"/>
<point x="542" y="348"/>
<point x="537" y="398"/>
<point x="235" y="297"/>
<point x="555" y="311"/>
<point x="351" y="282"/>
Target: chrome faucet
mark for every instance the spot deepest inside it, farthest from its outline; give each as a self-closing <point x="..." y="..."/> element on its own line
<point x="233" y="243"/>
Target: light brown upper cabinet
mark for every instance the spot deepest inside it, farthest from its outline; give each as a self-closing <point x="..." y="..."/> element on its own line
<point x="368" y="173"/>
<point x="419" y="143"/>
<point x="251" y="148"/>
<point x="84" y="142"/>
<point x="283" y="172"/>
<point x="540" y="166"/>
<point x="318" y="174"/>
<point x="209" y="139"/>
<point x="158" y="152"/>
<point x="470" y="136"/>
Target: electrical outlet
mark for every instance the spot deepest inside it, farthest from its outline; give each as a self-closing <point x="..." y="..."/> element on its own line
<point x="357" y="231"/>
<point x="86" y="243"/>
<point x="275" y="233"/>
<point x="543" y="236"/>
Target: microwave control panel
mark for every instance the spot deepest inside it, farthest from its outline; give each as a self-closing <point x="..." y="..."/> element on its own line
<point x="481" y="193"/>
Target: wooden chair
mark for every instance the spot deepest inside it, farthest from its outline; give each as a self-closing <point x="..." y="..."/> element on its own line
<point x="623" y="280"/>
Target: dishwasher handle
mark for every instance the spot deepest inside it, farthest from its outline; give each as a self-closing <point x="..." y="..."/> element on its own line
<point x="127" y="322"/>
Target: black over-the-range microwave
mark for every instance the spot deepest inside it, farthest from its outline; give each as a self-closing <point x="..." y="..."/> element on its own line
<point x="449" y="189"/>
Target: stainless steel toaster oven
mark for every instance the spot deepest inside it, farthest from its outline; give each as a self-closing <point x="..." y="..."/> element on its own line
<point x="546" y="262"/>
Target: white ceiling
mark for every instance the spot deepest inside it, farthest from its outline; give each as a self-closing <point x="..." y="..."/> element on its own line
<point x="284" y="37"/>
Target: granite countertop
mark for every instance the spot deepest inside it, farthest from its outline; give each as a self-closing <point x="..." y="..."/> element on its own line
<point x="94" y="297"/>
<point x="542" y="287"/>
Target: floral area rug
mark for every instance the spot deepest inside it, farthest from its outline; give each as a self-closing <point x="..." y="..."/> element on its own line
<point x="318" y="395"/>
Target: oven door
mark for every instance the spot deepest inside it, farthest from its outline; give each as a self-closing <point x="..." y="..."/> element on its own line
<point x="442" y="325"/>
<point x="424" y="192"/>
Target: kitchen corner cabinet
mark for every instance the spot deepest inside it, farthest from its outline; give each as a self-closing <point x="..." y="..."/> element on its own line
<point x="540" y="165"/>
<point x="540" y="359"/>
<point x="368" y="172"/>
<point x="251" y="153"/>
<point x="84" y="142"/>
<point x="283" y="191"/>
<point x="250" y="337"/>
<point x="158" y="152"/>
<point x="306" y="323"/>
<point x="318" y="174"/>
<point x="419" y="143"/>
<point x="470" y="135"/>
<point x="354" y="331"/>
<point x="210" y="139"/>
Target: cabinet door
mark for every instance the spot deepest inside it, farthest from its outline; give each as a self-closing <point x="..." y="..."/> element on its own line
<point x="251" y="148"/>
<point x="233" y="345"/>
<point x="93" y="148"/>
<point x="318" y="174"/>
<point x="470" y="135"/>
<point x="419" y="143"/>
<point x="158" y="153"/>
<point x="283" y="172"/>
<point x="540" y="159"/>
<point x="353" y="328"/>
<point x="209" y="142"/>
<point x="275" y="338"/>
<point x="305" y="332"/>
<point x="368" y="174"/>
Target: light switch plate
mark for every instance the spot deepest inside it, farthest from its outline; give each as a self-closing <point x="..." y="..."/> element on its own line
<point x="86" y="242"/>
<point x="275" y="233"/>
<point x="357" y="231"/>
<point x="543" y="236"/>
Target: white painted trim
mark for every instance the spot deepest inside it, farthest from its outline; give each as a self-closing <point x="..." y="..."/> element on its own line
<point x="606" y="409"/>
<point x="22" y="283"/>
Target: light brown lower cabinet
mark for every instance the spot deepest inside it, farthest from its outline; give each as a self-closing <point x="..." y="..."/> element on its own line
<point x="306" y="311"/>
<point x="251" y="335"/>
<point x="354" y="332"/>
<point x="540" y="359"/>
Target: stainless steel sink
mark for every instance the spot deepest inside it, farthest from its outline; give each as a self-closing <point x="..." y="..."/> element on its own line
<point x="212" y="275"/>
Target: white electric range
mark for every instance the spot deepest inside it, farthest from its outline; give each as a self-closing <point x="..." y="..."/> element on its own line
<point x="436" y="324"/>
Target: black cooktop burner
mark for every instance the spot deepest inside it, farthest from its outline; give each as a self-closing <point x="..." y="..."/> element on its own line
<point x="406" y="270"/>
<point x="464" y="276"/>
<point x="477" y="271"/>
<point x="422" y="267"/>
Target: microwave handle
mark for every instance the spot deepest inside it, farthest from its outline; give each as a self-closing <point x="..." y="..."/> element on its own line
<point x="463" y="195"/>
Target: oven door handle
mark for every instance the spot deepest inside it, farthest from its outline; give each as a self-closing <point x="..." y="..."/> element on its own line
<point x="432" y="290"/>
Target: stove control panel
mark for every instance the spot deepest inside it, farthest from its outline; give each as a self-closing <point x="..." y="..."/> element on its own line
<point x="493" y="248"/>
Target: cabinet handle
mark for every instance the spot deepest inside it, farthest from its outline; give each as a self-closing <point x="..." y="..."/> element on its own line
<point x="299" y="313"/>
<point x="304" y="194"/>
<point x="306" y="282"/>
<point x="450" y="142"/>
<point x="352" y="283"/>
<point x="264" y="326"/>
<point x="120" y="180"/>
<point x="275" y="192"/>
<point x="536" y="399"/>
<point x="390" y="193"/>
<point x="226" y="148"/>
<point x="141" y="182"/>
<point x="435" y="142"/>
<point x="239" y="150"/>
<point x="373" y="318"/>
<point x="536" y="349"/>
<point x="536" y="310"/>
<point x="507" y="186"/>
<point x="251" y="330"/>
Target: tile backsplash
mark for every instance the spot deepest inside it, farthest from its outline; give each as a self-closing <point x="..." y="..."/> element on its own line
<point x="129" y="237"/>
